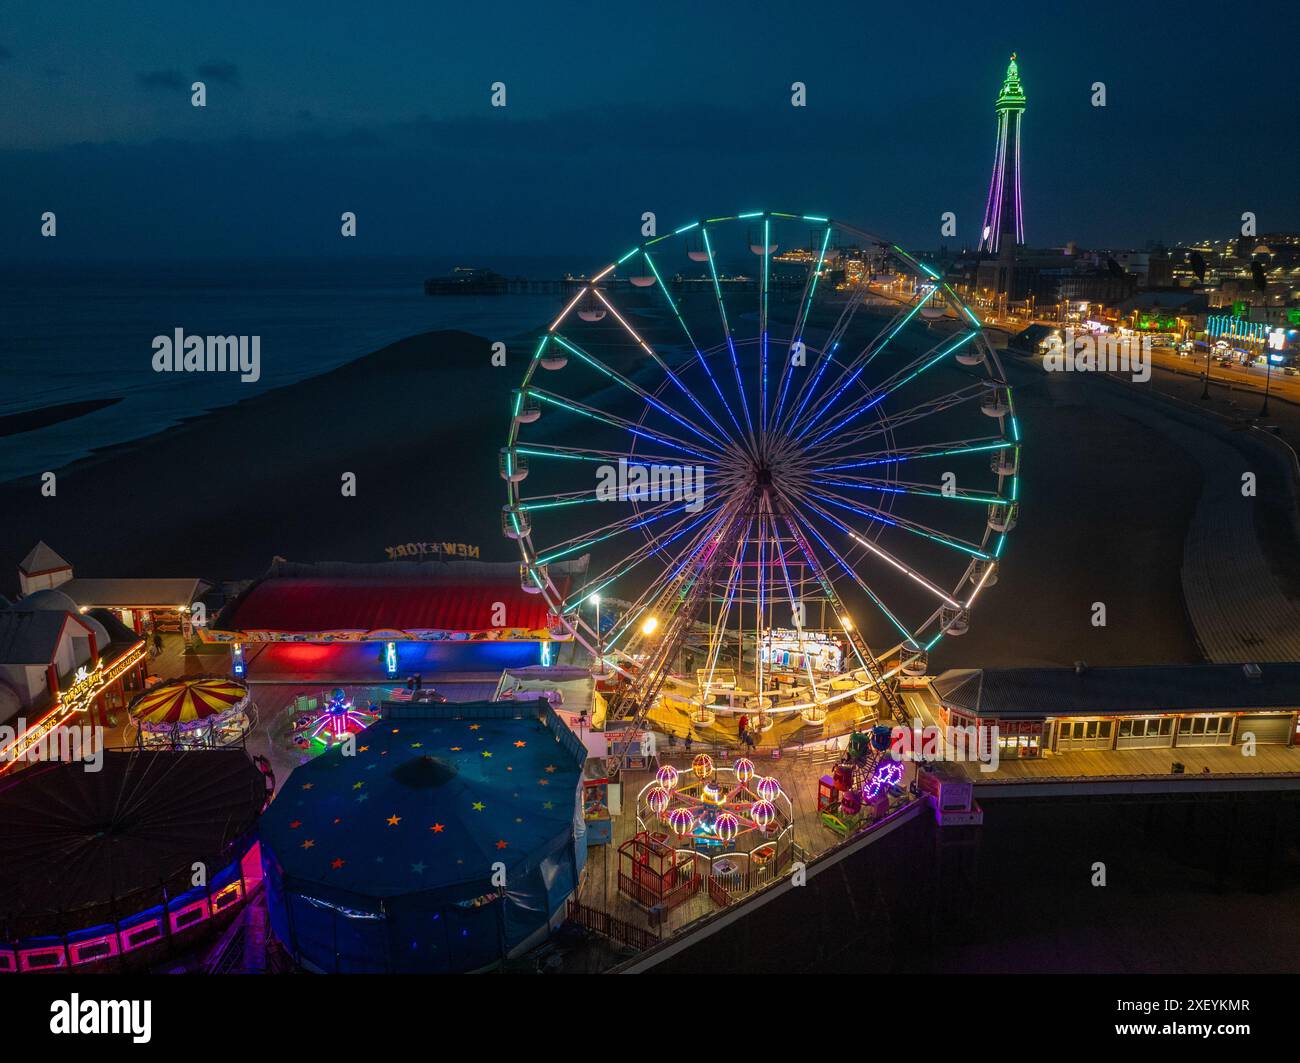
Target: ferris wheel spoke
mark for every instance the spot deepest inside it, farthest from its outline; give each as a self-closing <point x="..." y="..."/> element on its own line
<point x="856" y="578"/>
<point x="697" y="552"/>
<point x="573" y="406"/>
<point x="637" y="390"/>
<point x="718" y="635"/>
<point x="654" y="355"/>
<point x="952" y="448"/>
<point x="898" y="381"/>
<point x="902" y="523"/>
<point x="796" y="612"/>
<point x="763" y="324"/>
<point x="704" y="363"/>
<point x="854" y="369"/>
<point x="658" y="546"/>
<point x="889" y="557"/>
<point x="893" y="422"/>
<point x="800" y="322"/>
<point x="904" y="487"/>
<point x="562" y="453"/>
<point x="808" y="389"/>
<point x="726" y="331"/>
<point x="632" y="522"/>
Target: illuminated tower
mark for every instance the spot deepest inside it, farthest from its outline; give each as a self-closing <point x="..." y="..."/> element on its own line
<point x="1004" y="222"/>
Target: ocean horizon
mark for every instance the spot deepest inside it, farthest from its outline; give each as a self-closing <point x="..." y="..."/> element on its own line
<point x="79" y="332"/>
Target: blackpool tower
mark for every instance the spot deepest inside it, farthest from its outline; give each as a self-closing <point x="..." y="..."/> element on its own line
<point x="1004" y="223"/>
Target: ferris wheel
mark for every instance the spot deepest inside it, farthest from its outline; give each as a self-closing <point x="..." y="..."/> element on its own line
<point x="781" y="453"/>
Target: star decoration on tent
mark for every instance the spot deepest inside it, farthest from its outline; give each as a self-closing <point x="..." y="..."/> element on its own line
<point x="394" y="820"/>
<point x="486" y="753"/>
<point x="295" y="824"/>
<point x="502" y="844"/>
<point x="309" y="843"/>
<point x="438" y="828"/>
<point x="478" y="806"/>
<point x="520" y="744"/>
<point x="337" y="863"/>
<point x="419" y="867"/>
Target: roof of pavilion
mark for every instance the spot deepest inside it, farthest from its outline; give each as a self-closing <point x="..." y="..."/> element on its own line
<point x="1040" y="692"/>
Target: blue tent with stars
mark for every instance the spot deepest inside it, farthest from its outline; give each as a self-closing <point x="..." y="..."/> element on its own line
<point x="449" y="839"/>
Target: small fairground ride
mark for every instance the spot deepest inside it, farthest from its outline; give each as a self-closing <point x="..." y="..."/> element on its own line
<point x="320" y="724"/>
<point x="195" y="712"/>
<point x="861" y="787"/>
<point x="725" y="829"/>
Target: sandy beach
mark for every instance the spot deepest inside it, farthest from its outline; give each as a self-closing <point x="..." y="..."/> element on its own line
<point x="417" y="422"/>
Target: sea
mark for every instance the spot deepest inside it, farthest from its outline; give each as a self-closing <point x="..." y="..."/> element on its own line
<point x="73" y="332"/>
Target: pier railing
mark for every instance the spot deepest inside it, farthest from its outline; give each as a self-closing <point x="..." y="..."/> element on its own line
<point x="612" y="927"/>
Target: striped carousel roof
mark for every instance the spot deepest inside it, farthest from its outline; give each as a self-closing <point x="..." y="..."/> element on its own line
<point x="188" y="700"/>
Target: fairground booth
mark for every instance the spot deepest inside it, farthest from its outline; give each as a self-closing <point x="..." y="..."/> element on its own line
<point x="449" y="842"/>
<point x="97" y="868"/>
<point x="395" y="618"/>
<point x="61" y="666"/>
<point x="145" y="605"/>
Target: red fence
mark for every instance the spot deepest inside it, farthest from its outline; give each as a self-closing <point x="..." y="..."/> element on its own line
<point x="611" y="926"/>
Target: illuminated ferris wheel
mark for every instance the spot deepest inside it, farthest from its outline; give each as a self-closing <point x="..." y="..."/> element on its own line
<point x="785" y="451"/>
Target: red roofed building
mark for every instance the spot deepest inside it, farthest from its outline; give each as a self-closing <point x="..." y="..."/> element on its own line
<point x="451" y="603"/>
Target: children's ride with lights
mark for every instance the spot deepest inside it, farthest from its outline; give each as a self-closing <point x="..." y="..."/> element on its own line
<point x="859" y="787"/>
<point x="790" y="455"/>
<point x="332" y="722"/>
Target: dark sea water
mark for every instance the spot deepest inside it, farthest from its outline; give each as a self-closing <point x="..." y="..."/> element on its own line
<point x="72" y="332"/>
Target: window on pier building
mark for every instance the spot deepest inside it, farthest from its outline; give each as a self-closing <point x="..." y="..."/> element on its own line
<point x="1074" y="735"/>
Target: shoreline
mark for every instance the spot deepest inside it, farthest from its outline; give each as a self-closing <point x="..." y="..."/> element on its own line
<point x="38" y="417"/>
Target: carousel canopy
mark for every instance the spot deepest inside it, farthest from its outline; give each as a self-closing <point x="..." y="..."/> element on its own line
<point x="75" y="839"/>
<point x="182" y="701"/>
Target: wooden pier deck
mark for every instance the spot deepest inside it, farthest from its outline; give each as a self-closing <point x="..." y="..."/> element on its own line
<point x="798" y="773"/>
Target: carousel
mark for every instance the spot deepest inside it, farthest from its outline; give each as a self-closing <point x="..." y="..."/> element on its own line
<point x="725" y="829"/>
<point x="196" y="712"/>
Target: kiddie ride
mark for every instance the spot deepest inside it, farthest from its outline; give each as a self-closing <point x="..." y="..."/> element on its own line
<point x="859" y="788"/>
<point x="331" y="723"/>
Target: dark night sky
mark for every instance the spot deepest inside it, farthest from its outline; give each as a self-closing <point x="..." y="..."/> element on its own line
<point x="680" y="108"/>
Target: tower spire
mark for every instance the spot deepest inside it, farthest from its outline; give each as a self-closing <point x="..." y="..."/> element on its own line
<point x="1003" y="212"/>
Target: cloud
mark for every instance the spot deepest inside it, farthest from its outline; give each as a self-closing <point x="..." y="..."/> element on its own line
<point x="221" y="72"/>
<point x="162" y="79"/>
